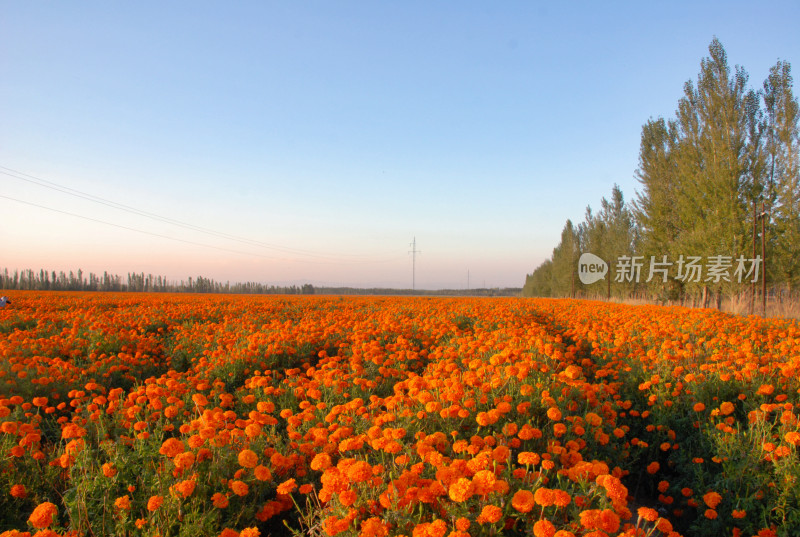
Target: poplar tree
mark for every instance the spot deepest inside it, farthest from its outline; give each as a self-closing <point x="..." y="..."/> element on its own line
<point x="565" y="262"/>
<point x="783" y="172"/>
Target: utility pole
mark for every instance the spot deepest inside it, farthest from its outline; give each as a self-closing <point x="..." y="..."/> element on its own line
<point x="763" y="261"/>
<point x="753" y="283"/>
<point x="414" y="253"/>
<point x="467" y="279"/>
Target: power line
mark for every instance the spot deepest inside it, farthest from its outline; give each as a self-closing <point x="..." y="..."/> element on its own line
<point x="164" y="236"/>
<point x="22" y="176"/>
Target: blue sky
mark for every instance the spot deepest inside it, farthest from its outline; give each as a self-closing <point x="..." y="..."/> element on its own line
<point x="325" y="136"/>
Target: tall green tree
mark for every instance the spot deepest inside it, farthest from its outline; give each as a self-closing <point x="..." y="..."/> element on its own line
<point x="564" y="269"/>
<point x="783" y="173"/>
<point x="657" y="221"/>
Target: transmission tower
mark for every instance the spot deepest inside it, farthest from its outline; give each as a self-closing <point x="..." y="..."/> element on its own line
<point x="414" y="253"/>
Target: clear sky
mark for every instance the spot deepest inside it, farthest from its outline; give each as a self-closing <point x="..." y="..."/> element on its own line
<point x="313" y="140"/>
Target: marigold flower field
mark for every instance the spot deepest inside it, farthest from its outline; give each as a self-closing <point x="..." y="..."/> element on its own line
<point x="195" y="415"/>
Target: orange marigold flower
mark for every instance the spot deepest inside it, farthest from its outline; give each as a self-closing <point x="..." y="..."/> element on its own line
<point x="18" y="491"/>
<point x="171" y="447"/>
<point x="544" y="528"/>
<point x="712" y="499"/>
<point x="374" y="527"/>
<point x="647" y="514"/>
<point x="561" y="498"/>
<point x="227" y="532"/>
<point x="593" y="419"/>
<point x="287" y="487"/>
<point x="185" y="488"/>
<point x="543" y="497"/>
<point x="250" y="532"/>
<point x="123" y="502"/>
<point x="653" y="467"/>
<point x="262" y="473"/>
<point x="792" y="437"/>
<point x="461" y="490"/>
<point x="522" y="501"/>
<point x="359" y="471"/>
<point x="184" y="460"/>
<point x="484" y="482"/>
<point x="609" y="521"/>
<point x="554" y="413"/>
<point x="155" y="502"/>
<point x="321" y="461"/>
<point x="699" y="407"/>
<point x="726" y="408"/>
<point x="42" y="516"/>
<point x="219" y="500"/>
<point x="239" y="488"/>
<point x="109" y="470"/>
<point x="528" y="458"/>
<point x="739" y="513"/>
<point x="247" y="458"/>
<point x="710" y="514"/>
<point x="490" y="514"/>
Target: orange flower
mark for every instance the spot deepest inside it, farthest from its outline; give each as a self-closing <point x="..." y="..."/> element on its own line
<point x="653" y="467"/>
<point x="185" y="488"/>
<point x="262" y="473"/>
<point x="219" y="500"/>
<point x="543" y="497"/>
<point x="172" y="447"/>
<point x="561" y="498"/>
<point x="123" y="502"/>
<point x="699" y="407"/>
<point x="490" y="514"/>
<point x="710" y="514"/>
<point x="374" y="527"/>
<point x="109" y="470"/>
<point x="287" y="487"/>
<point x="554" y="413"/>
<point x="155" y="502"/>
<point x="792" y="437"/>
<point x="647" y="514"/>
<point x="42" y="516"/>
<point x="522" y="501"/>
<point x="528" y="458"/>
<point x="239" y="488"/>
<point x="544" y="528"/>
<point x="250" y="532"/>
<point x="461" y="490"/>
<point x="712" y="499"/>
<point x="248" y="458"/>
<point x="321" y="462"/>
<point x="739" y="513"/>
<point x="726" y="408"/>
<point x="18" y="491"/>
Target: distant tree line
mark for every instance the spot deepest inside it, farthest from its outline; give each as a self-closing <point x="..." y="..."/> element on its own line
<point x="44" y="280"/>
<point x="29" y="279"/>
<point x="711" y="178"/>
